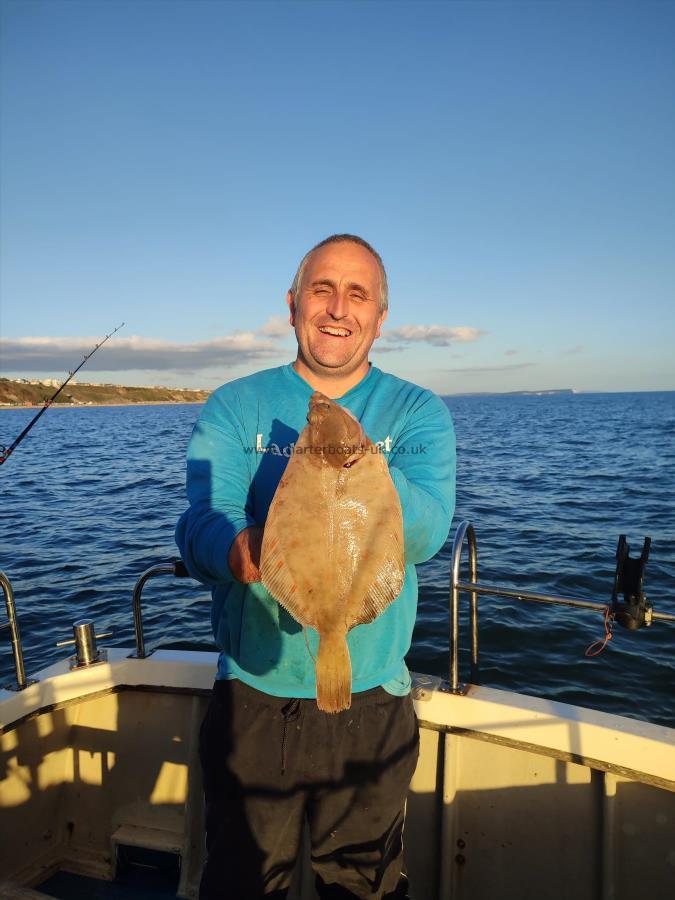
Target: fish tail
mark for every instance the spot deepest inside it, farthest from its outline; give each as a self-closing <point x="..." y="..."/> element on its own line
<point x="333" y="673"/>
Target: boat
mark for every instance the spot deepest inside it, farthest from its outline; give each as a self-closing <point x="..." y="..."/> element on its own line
<point x="514" y="797"/>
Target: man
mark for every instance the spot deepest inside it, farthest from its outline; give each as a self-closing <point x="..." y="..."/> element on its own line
<point x="270" y="757"/>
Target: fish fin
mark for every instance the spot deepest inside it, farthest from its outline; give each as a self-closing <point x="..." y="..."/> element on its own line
<point x="385" y="588"/>
<point x="279" y="581"/>
<point x="333" y="673"/>
<point x="382" y="593"/>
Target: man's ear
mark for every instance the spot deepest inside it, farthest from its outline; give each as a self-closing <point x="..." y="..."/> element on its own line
<point x="383" y="316"/>
<point x="290" y="302"/>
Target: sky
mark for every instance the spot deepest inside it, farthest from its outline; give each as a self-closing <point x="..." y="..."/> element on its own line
<point x="166" y="164"/>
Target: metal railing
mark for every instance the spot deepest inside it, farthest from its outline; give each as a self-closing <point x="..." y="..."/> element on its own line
<point x="176" y="568"/>
<point x="465" y="530"/>
<point x="13" y="624"/>
<point x="474" y="588"/>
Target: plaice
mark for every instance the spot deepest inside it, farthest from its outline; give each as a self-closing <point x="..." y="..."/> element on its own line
<point x="332" y="550"/>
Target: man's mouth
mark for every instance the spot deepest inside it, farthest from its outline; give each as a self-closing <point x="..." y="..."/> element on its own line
<point x="334" y="331"/>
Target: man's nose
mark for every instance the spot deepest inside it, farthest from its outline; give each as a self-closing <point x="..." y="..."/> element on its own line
<point x="338" y="305"/>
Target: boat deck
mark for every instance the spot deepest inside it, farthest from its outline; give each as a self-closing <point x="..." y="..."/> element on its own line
<point x="135" y="887"/>
<point x="140" y="873"/>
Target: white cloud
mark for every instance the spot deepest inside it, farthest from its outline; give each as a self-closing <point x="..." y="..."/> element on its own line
<point x="276" y="327"/>
<point x="474" y="370"/>
<point x="437" y="335"/>
<point x="46" y="354"/>
<point x="121" y="354"/>
<point x="386" y="348"/>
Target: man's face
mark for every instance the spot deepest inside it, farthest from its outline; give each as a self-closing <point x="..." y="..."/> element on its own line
<point x="337" y="311"/>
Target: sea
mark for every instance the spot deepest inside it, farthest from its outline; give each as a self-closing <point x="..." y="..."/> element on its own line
<point x="90" y="499"/>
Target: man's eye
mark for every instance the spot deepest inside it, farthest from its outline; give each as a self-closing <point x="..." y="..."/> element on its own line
<point x="358" y="297"/>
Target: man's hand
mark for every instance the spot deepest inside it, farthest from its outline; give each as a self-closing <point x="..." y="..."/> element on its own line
<point x="244" y="557"/>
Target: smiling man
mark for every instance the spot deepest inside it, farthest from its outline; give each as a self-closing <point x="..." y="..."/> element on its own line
<point x="338" y="302"/>
<point x="271" y="759"/>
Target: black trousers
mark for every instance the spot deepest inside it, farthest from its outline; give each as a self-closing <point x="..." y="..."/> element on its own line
<point x="270" y="762"/>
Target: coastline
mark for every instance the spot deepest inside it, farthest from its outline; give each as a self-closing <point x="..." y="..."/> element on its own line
<point x="37" y="407"/>
<point x="35" y="394"/>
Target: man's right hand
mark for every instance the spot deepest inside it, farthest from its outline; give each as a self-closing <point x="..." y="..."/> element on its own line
<point x="244" y="556"/>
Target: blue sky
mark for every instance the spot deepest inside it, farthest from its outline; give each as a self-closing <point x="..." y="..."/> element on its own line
<point x="167" y="164"/>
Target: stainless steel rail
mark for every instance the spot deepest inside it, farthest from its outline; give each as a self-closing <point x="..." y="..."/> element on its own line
<point x="177" y="568"/>
<point x="13" y="624"/>
<point x="466" y="530"/>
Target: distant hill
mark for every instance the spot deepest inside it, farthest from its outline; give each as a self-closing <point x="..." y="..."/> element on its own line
<point x="19" y="393"/>
<point x="543" y="393"/>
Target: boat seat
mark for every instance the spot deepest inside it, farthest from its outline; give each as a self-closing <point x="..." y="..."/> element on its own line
<point x="148" y="838"/>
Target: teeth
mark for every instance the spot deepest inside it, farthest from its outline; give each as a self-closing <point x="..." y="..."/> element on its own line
<point x="339" y="332"/>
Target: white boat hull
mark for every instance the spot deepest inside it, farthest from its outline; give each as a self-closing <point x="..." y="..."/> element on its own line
<point x="514" y="797"/>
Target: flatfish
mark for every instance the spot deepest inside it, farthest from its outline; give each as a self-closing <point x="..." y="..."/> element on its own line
<point x="332" y="551"/>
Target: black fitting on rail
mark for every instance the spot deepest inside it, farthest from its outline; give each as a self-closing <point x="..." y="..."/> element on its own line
<point x="634" y="611"/>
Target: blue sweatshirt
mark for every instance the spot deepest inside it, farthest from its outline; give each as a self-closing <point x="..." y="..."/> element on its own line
<point x="238" y="451"/>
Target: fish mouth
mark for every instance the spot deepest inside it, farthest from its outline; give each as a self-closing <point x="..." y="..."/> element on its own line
<point x="319" y="407"/>
<point x="335" y="331"/>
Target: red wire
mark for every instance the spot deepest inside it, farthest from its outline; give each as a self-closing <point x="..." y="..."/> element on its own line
<point x="601" y="644"/>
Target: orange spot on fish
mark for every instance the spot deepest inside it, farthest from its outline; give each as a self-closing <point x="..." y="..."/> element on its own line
<point x="280" y="564"/>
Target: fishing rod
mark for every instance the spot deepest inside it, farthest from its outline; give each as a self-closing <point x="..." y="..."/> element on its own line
<point x="6" y="452"/>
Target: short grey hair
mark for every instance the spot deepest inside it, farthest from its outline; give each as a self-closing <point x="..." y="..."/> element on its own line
<point x="340" y="239"/>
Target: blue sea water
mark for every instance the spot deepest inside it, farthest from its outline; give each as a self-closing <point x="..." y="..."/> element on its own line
<point x="91" y="497"/>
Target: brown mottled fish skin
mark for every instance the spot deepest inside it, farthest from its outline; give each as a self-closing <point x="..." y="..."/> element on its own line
<point x="332" y="550"/>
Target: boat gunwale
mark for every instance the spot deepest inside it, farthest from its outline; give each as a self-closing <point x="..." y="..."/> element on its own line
<point x="167" y="671"/>
<point x="588" y="762"/>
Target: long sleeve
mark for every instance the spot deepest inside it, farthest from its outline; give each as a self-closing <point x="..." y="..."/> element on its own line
<point x="422" y="467"/>
<point x="218" y="484"/>
<point x="237" y="454"/>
